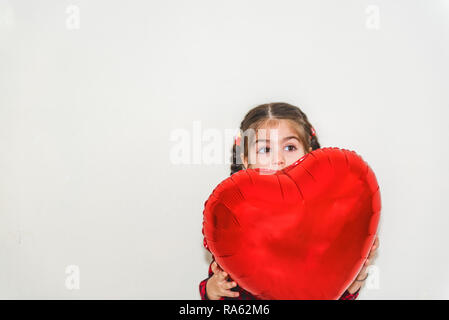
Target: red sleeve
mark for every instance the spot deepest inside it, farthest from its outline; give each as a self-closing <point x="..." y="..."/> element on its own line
<point x="203" y="293"/>
<point x="347" y="296"/>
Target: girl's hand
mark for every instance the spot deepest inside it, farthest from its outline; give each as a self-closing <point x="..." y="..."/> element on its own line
<point x="363" y="274"/>
<point x="218" y="285"/>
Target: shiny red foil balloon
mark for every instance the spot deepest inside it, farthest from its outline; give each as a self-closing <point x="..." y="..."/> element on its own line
<point x="303" y="232"/>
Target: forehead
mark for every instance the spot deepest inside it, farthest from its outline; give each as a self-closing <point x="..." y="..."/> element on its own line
<point x="283" y="128"/>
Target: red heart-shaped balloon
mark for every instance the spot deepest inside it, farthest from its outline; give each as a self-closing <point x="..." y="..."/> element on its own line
<point x="303" y="232"/>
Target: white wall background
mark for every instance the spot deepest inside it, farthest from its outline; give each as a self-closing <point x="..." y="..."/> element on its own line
<point x="86" y="116"/>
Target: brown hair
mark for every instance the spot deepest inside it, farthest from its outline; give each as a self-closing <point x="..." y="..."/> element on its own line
<point x="259" y="115"/>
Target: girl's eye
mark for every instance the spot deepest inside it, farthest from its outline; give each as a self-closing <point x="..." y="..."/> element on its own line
<point x="267" y="149"/>
<point x="264" y="150"/>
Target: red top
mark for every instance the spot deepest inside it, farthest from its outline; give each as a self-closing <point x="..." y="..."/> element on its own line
<point x="245" y="295"/>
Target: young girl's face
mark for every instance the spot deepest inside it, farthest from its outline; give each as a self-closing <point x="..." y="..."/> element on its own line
<point x="274" y="151"/>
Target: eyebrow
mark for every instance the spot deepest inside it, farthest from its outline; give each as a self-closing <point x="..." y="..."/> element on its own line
<point x="285" y="139"/>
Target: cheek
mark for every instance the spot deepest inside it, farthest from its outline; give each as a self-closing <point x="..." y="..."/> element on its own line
<point x="293" y="156"/>
<point x="264" y="158"/>
<point x="259" y="159"/>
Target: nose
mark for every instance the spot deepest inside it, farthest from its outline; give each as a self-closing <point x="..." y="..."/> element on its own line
<point x="280" y="160"/>
<point x="280" y="164"/>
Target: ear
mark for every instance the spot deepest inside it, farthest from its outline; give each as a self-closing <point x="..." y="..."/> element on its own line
<point x="310" y="149"/>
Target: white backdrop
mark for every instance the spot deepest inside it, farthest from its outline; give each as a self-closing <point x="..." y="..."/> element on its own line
<point x="91" y="93"/>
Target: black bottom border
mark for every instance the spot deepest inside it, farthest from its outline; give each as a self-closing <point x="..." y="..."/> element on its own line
<point x="231" y="309"/>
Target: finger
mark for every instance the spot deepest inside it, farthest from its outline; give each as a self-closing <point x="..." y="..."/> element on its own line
<point x="228" y="285"/>
<point x="217" y="267"/>
<point x="371" y="253"/>
<point x="375" y="244"/>
<point x="363" y="268"/>
<point x="362" y="274"/>
<point x="223" y="275"/>
<point x="362" y="271"/>
<point x="229" y="293"/>
<point x="367" y="262"/>
<point x="214" y="267"/>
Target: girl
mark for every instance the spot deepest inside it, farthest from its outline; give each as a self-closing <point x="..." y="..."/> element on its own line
<point x="295" y="137"/>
